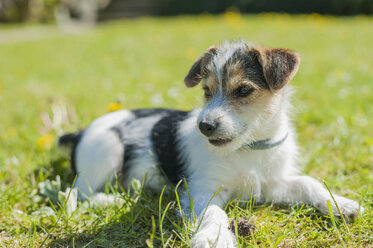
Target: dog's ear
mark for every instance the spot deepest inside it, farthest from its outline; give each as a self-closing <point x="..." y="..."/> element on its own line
<point x="279" y="65"/>
<point x="195" y="73"/>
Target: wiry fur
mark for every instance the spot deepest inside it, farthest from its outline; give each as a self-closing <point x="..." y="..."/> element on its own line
<point x="123" y="142"/>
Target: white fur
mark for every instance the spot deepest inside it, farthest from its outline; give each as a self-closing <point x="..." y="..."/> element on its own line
<point x="99" y="154"/>
<point x="213" y="230"/>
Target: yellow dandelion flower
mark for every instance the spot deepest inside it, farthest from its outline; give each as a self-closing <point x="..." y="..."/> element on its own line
<point x="317" y="20"/>
<point x="114" y="106"/>
<point x="339" y="73"/>
<point x="45" y="142"/>
<point x="233" y="18"/>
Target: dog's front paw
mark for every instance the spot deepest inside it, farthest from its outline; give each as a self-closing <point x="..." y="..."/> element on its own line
<point x="210" y="237"/>
<point x="349" y="209"/>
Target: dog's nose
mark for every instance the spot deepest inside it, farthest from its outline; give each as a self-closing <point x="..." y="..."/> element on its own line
<point x="208" y="127"/>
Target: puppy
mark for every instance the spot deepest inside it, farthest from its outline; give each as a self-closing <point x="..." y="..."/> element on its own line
<point x="240" y="142"/>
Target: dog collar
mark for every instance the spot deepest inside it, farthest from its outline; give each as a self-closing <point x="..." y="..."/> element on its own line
<point x="265" y="144"/>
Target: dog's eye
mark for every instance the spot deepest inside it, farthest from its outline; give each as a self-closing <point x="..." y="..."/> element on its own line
<point x="243" y="91"/>
<point x="207" y="92"/>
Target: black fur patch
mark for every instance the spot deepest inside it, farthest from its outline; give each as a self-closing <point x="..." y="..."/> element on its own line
<point x="129" y="154"/>
<point x="71" y="140"/>
<point x="118" y="132"/>
<point x="250" y="64"/>
<point x="143" y="113"/>
<point x="123" y="132"/>
<point x="163" y="136"/>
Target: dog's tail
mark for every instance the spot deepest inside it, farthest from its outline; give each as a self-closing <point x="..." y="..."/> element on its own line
<point x="67" y="143"/>
<point x="67" y="146"/>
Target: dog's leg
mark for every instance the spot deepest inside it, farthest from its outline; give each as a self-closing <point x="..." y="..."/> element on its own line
<point x="211" y="224"/>
<point x="305" y="189"/>
<point x="98" y="158"/>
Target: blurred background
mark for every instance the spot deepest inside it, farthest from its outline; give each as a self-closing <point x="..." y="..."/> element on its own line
<point x="103" y="55"/>
<point x="98" y="10"/>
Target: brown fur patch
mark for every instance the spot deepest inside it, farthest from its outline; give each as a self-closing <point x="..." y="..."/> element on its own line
<point x="244" y="64"/>
<point x="257" y="96"/>
<point x="197" y="71"/>
<point x="279" y="65"/>
<point x="238" y="71"/>
<point x="211" y="83"/>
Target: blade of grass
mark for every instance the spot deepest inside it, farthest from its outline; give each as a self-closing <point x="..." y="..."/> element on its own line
<point x="339" y="211"/>
<point x="331" y="215"/>
<point x="179" y="205"/>
<point x="191" y="205"/>
<point x="162" y="215"/>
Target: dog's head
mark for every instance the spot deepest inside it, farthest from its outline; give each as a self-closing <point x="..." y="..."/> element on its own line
<point x="243" y="88"/>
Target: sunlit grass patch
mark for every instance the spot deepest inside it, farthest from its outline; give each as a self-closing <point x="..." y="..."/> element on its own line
<point x="53" y="81"/>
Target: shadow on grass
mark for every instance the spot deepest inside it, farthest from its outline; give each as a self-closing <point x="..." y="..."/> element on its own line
<point x="56" y="166"/>
<point x="298" y="211"/>
<point x="134" y="224"/>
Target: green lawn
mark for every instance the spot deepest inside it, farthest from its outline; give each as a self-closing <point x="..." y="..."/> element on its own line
<point x="142" y="63"/>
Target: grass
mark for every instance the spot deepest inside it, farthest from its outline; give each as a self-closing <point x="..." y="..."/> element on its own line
<point x="141" y="63"/>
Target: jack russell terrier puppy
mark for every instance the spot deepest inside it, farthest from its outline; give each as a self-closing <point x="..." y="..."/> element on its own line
<point x="241" y="142"/>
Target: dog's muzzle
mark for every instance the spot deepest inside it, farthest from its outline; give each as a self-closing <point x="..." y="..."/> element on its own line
<point x="208" y="128"/>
